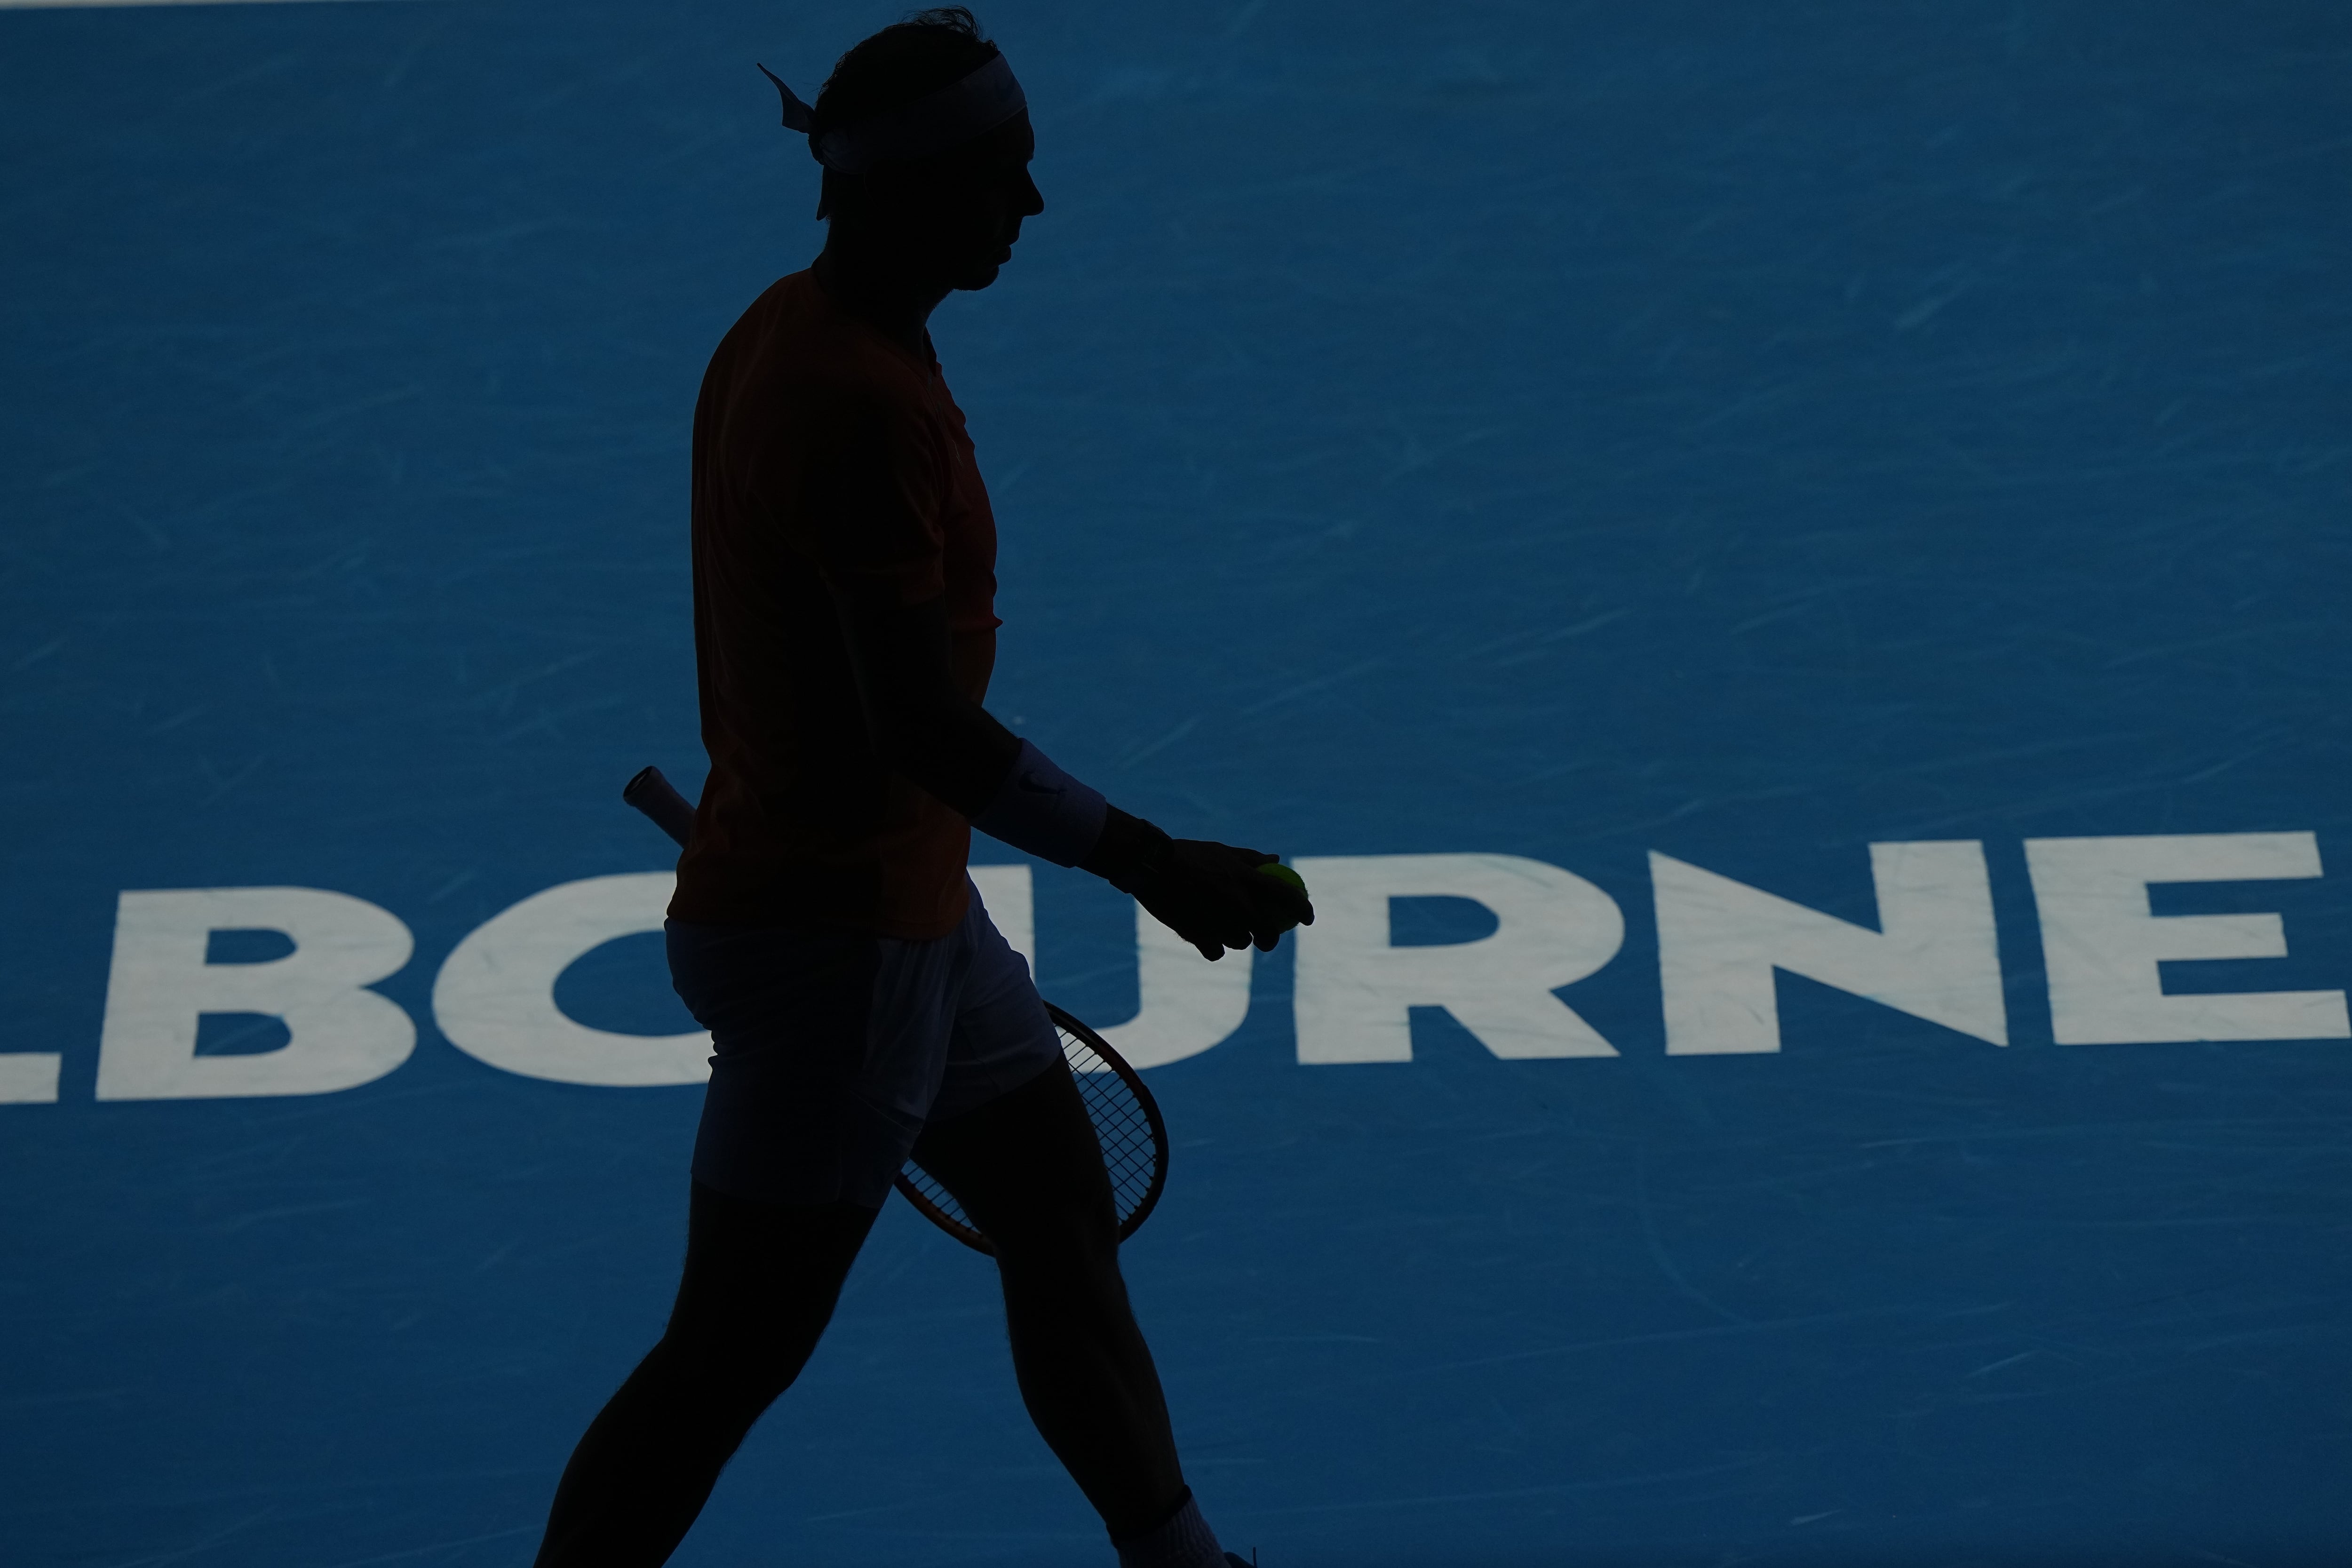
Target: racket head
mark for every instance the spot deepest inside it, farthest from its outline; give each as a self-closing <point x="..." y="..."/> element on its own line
<point x="1128" y="1126"/>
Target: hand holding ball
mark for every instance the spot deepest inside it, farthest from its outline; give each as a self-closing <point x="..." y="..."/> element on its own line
<point x="1289" y="895"/>
<point x="1281" y="873"/>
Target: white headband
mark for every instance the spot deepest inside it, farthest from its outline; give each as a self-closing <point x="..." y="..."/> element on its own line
<point x="948" y="118"/>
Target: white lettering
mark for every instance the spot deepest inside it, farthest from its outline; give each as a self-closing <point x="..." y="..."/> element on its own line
<point x="1355" y="991"/>
<point x="340" y="1034"/>
<point x="1934" y="955"/>
<point x="495" y="997"/>
<point x="29" y="1077"/>
<point x="1186" y="1003"/>
<point x="2102" y="945"/>
<point x="1007" y="892"/>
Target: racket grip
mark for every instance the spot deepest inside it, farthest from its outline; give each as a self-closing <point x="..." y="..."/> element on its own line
<point x="652" y="795"/>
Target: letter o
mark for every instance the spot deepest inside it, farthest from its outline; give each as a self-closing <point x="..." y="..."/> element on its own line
<point x="495" y="997"/>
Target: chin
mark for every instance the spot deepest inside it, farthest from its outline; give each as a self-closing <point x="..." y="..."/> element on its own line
<point x="980" y="276"/>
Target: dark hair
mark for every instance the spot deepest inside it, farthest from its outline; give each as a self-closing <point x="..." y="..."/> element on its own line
<point x="905" y="61"/>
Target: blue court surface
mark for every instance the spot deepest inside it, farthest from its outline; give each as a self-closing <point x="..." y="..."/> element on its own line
<point x="1783" y="570"/>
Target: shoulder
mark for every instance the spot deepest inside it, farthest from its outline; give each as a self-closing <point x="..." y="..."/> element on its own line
<point x="797" y="344"/>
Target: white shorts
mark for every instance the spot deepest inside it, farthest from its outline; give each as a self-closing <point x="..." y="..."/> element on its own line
<point x="833" y="1049"/>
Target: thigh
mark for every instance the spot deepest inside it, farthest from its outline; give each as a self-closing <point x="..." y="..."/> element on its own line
<point x="828" y="1050"/>
<point x="1000" y="1037"/>
<point x="1010" y="1135"/>
<point x="762" y="1278"/>
<point x="1026" y="1166"/>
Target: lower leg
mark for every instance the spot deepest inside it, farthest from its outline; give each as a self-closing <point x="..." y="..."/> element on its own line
<point x="1028" y="1169"/>
<point x="761" y="1283"/>
<point x="645" y="1465"/>
<point x="1087" y="1378"/>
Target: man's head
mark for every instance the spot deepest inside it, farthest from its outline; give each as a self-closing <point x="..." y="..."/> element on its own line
<point x="949" y="217"/>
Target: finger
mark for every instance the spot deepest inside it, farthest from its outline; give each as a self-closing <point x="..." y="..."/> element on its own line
<point x="1209" y="951"/>
<point x="1269" y="931"/>
<point x="1280" y="901"/>
<point x="1234" y="920"/>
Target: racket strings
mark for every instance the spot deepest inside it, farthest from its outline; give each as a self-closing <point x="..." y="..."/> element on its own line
<point x="1130" y="1150"/>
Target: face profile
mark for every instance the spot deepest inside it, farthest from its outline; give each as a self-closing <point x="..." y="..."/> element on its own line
<point x="926" y="194"/>
<point x="951" y="221"/>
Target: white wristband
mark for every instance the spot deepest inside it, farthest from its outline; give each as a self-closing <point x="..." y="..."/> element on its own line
<point x="1044" y="810"/>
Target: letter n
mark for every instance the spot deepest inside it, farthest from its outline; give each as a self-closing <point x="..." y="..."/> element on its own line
<point x="1934" y="956"/>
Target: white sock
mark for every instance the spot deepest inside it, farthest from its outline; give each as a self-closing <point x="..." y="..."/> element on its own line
<point x="1184" y="1542"/>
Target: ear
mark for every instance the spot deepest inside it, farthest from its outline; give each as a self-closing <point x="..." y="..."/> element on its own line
<point x="843" y="194"/>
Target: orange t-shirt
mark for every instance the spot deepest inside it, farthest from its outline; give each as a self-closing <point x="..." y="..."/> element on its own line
<point x="824" y="453"/>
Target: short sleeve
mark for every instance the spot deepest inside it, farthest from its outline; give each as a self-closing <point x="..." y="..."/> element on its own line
<point x="870" y="502"/>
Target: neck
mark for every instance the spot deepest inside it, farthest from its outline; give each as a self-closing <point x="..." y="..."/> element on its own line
<point x="864" y="281"/>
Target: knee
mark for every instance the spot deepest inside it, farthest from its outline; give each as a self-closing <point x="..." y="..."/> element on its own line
<point x="1077" y="1227"/>
<point x="731" y="1377"/>
<point x="1072" y="1253"/>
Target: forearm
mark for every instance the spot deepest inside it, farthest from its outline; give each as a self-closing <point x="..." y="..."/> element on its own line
<point x="1126" y="851"/>
<point x="918" y="716"/>
<point x="1211" y="894"/>
<point x="950" y="746"/>
<point x="929" y="730"/>
<point x="1045" y="811"/>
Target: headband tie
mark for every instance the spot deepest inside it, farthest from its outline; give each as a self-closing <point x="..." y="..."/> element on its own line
<point x="949" y="118"/>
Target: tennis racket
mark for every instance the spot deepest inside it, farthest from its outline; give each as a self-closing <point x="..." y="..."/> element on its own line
<point x="1127" y="1121"/>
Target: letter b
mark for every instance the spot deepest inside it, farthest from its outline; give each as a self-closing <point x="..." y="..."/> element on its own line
<point x="340" y="1034"/>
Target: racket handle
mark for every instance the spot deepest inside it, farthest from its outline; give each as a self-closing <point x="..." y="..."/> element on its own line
<point x="652" y="795"/>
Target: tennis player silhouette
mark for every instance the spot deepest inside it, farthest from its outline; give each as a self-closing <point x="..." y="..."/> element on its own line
<point x="861" y="1005"/>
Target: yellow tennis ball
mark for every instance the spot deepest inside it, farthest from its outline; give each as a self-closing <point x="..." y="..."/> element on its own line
<point x="1281" y="873"/>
